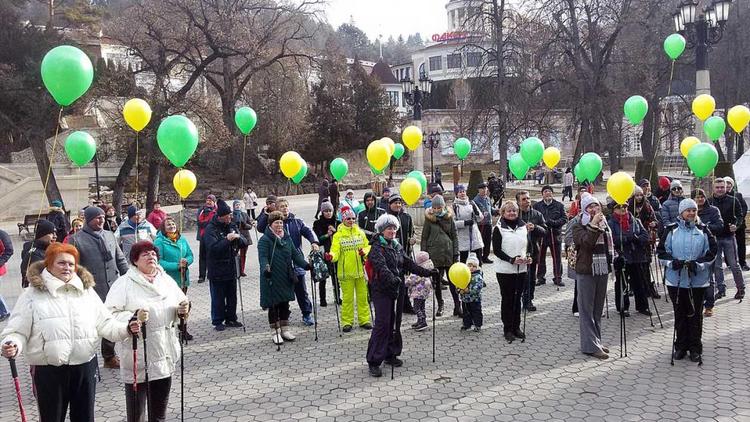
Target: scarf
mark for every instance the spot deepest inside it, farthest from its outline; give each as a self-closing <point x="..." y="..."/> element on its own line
<point x="461" y="201"/>
<point x="513" y="224"/>
<point x="101" y="246"/>
<point x="623" y="220"/>
<point x="237" y="216"/>
<point x="602" y="254"/>
<point x="151" y="277"/>
<point x="173" y="236"/>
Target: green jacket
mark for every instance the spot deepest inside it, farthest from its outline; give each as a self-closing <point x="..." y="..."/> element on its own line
<point x="345" y="246"/>
<point x="439" y="238"/>
<point x="169" y="256"/>
<point x="277" y="255"/>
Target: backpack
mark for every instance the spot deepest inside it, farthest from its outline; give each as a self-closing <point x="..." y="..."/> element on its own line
<point x="319" y="267"/>
<point x="369" y="271"/>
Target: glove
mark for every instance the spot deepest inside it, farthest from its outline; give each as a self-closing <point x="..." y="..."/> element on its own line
<point x="361" y="252"/>
<point x="692" y="267"/>
<point x="468" y="223"/>
<point x="619" y="263"/>
<point x="434" y="273"/>
<point x="677" y="264"/>
<point x="328" y="257"/>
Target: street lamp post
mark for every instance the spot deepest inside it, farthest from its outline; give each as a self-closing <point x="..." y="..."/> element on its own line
<point x="432" y="142"/>
<point x="416" y="94"/>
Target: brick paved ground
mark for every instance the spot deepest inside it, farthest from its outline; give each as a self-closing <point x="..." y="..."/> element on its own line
<point x="236" y="376"/>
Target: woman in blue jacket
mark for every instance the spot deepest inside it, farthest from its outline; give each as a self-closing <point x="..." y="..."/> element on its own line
<point x="687" y="250"/>
<point x="175" y="255"/>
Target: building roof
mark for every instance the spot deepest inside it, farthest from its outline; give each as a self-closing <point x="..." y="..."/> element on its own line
<point x="382" y="71"/>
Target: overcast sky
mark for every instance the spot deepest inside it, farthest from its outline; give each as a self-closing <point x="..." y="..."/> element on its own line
<point x="390" y="17"/>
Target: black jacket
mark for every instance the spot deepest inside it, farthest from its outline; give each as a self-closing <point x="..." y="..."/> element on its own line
<point x="320" y="227"/>
<point x="31" y="252"/>
<point x="731" y="212"/>
<point x="367" y="218"/>
<point x="740" y="198"/>
<point x="540" y="228"/>
<point x="711" y="217"/>
<point x="220" y="253"/>
<point x="406" y="231"/>
<point x="633" y="243"/>
<point x="554" y="216"/>
<point x="61" y="223"/>
<point x="390" y="262"/>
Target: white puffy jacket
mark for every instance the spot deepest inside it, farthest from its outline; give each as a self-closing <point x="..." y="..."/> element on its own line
<point x="469" y="237"/>
<point x="513" y="243"/>
<point x="58" y="323"/>
<point x="131" y="292"/>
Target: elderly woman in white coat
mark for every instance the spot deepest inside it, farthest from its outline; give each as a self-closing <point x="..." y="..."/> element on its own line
<point x="467" y="217"/>
<point x="58" y="323"/>
<point x="147" y="286"/>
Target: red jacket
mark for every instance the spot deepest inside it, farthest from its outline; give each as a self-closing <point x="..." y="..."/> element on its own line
<point x="205" y="215"/>
<point x="156" y="218"/>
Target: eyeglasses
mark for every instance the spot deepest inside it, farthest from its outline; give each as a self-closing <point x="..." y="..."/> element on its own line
<point x="677" y="188"/>
<point x="349" y="219"/>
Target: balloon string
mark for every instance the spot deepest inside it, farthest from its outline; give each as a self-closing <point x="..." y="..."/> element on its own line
<point x="242" y="179"/>
<point x="78" y="186"/>
<point x="136" y="167"/>
<point x="653" y="124"/>
<point x="671" y="75"/>
<point x="49" y="168"/>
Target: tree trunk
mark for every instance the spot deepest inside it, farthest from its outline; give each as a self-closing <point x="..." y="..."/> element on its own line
<point x="118" y="189"/>
<point x="154" y="171"/>
<point x="38" y="148"/>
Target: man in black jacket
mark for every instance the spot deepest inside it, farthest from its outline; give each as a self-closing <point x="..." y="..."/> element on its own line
<point x="535" y="225"/>
<point x="223" y="242"/>
<point x="731" y="213"/>
<point x="554" y="216"/>
<point x="367" y="217"/>
<point x="740" y="233"/>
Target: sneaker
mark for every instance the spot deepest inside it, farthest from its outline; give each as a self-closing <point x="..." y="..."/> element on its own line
<point x="509" y="337"/>
<point x="276" y="337"/>
<point x="560" y="284"/>
<point x="243" y="275"/>
<point x="286" y="334"/>
<point x="439" y="311"/>
<point x="421" y="327"/>
<point x="375" y="371"/>
<point x="464" y="328"/>
<point x="188" y="336"/>
<point x="745" y="267"/>
<point x="233" y="324"/>
<point x="708" y="312"/>
<point x="656" y="295"/>
<point x="395" y="362"/>
<point x="487" y="261"/>
<point x="720" y="294"/>
<point x="530" y="307"/>
<point x="679" y="354"/>
<point x="220" y="327"/>
<point x="645" y="312"/>
<point x="605" y="349"/>
<point x="477" y="329"/>
<point x="347" y="328"/>
<point x="695" y="356"/>
<point x="519" y="334"/>
<point x="415" y="325"/>
<point x="366" y="326"/>
<point x="201" y="280"/>
<point x="308" y="320"/>
<point x="112" y="363"/>
<point x="599" y="354"/>
<point x="740" y="294"/>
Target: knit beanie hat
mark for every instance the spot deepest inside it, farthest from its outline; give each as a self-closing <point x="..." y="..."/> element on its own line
<point x="472" y="259"/>
<point x="675" y="184"/>
<point x="43" y="228"/>
<point x="347" y="212"/>
<point x="438" y="201"/>
<point x="435" y="189"/>
<point x="223" y="209"/>
<point x="211" y="197"/>
<point x="421" y="257"/>
<point x="132" y="210"/>
<point x="56" y="203"/>
<point x="91" y="213"/>
<point x="637" y="190"/>
<point x="386" y="189"/>
<point x="385" y="221"/>
<point x="459" y="188"/>
<point x="326" y="206"/>
<point x="588" y="199"/>
<point x="686" y="204"/>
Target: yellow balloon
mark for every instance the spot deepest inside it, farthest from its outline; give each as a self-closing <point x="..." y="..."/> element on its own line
<point x="738" y="118"/>
<point x="290" y="164"/>
<point x="460" y="275"/>
<point x="687" y="144"/>
<point x="377" y="155"/>
<point x="184" y="182"/>
<point x="551" y="157"/>
<point x="412" y="137"/>
<point x="390" y="144"/>
<point x="620" y="187"/>
<point x="704" y="106"/>
<point x="137" y="114"/>
<point x="410" y="190"/>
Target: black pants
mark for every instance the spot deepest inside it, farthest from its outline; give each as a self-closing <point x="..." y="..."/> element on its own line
<point x="223" y="301"/>
<point x="251" y="211"/>
<point x="741" y="248"/>
<point x="60" y="386"/>
<point x="689" y="328"/>
<point x="385" y="338"/>
<point x="486" y="231"/>
<point x="635" y="282"/>
<point x="158" y="399"/>
<point x="511" y="287"/>
<point x="567" y="191"/>
<point x="278" y="312"/>
<point x="201" y="261"/>
<point x="575" y="296"/>
<point x="439" y="182"/>
<point x="439" y="291"/>
<point x="556" y="260"/>
<point x="529" y="286"/>
<point x="463" y="255"/>
<point x="473" y="314"/>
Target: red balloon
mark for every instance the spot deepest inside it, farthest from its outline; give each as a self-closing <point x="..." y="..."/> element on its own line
<point x="664" y="182"/>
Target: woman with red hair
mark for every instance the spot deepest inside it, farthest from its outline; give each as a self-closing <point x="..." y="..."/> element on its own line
<point x="58" y="323"/>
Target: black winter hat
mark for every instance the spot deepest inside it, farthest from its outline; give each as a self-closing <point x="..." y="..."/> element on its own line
<point x="43" y="228"/>
<point x="547" y="187"/>
<point x="223" y="209"/>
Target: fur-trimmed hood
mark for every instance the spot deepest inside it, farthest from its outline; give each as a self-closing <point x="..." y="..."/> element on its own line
<point x="428" y="214"/>
<point x="34" y="276"/>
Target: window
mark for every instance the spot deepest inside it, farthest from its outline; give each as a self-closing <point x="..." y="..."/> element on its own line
<point x="393" y="98"/>
<point x="473" y="59"/>
<point x="436" y="63"/>
<point x="454" y="61"/>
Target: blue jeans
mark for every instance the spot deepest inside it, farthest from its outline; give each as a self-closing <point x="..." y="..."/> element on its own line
<point x="303" y="299"/>
<point x="727" y="247"/>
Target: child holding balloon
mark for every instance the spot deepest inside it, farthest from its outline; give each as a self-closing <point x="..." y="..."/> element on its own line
<point x="471" y="296"/>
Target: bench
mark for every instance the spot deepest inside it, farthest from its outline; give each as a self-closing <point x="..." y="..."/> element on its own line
<point x="30" y="220"/>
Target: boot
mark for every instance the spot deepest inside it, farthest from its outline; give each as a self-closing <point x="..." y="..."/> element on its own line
<point x="276" y="335"/>
<point x="457" y="310"/>
<point x="286" y="333"/>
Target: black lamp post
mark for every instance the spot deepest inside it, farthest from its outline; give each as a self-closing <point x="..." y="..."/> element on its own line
<point x="417" y="94"/>
<point x="432" y="141"/>
<point x="701" y="30"/>
<point x="102" y="153"/>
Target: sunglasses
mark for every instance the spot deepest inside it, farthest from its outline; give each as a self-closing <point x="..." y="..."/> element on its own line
<point x="676" y="188"/>
<point x="349" y="219"/>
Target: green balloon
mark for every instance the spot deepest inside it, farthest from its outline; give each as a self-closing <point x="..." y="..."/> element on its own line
<point x="674" y="45"/>
<point x="399" y="151"/>
<point x="714" y="127"/>
<point x="376" y="171"/>
<point x="178" y="138"/>
<point x="80" y="147"/>
<point x="462" y="148"/>
<point x="702" y="159"/>
<point x="300" y="174"/>
<point x="420" y="177"/>
<point x="67" y="73"/>
<point x="518" y="166"/>
<point x="635" y="109"/>
<point x="578" y="173"/>
<point x="532" y="151"/>
<point x="591" y="165"/>
<point x="245" y="119"/>
<point x="339" y="168"/>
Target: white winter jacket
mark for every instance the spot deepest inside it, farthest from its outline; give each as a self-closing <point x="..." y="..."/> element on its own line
<point x="512" y="243"/>
<point x="132" y="291"/>
<point x="58" y="323"/>
<point x="469" y="238"/>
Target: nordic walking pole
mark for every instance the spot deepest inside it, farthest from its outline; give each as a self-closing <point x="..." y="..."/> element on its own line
<point x="395" y="312"/>
<point x="143" y="317"/>
<point x="433" y="320"/>
<point x="135" y="373"/>
<point x="335" y="284"/>
<point x="183" y="331"/>
<point x="239" y="286"/>
<point x="676" y="309"/>
<point x="314" y="299"/>
<point x="17" y="385"/>
<point x="640" y="269"/>
<point x="528" y="292"/>
<point x="606" y="299"/>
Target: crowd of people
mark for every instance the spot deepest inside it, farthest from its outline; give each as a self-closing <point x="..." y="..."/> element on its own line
<point x="118" y="276"/>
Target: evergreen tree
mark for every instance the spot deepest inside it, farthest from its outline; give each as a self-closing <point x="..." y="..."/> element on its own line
<point x="374" y="117"/>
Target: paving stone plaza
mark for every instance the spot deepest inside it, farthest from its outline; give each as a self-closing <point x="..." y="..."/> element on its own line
<point x="238" y="376"/>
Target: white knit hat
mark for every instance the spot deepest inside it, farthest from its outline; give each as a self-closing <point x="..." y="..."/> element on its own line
<point x="385" y="221"/>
